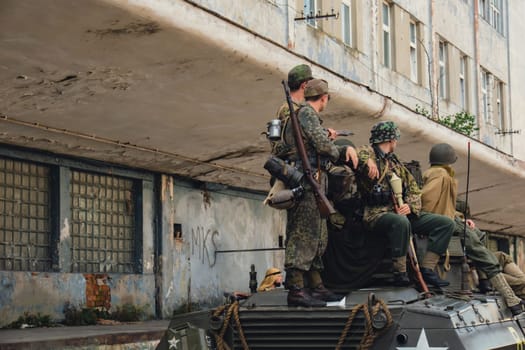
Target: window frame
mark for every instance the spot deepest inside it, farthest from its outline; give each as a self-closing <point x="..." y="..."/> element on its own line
<point x="346" y="24"/>
<point x="443" y="69"/>
<point x="387" y="34"/>
<point x="59" y="196"/>
<point x="484" y="95"/>
<point x="463" y="88"/>
<point x="308" y="4"/>
<point x="414" y="50"/>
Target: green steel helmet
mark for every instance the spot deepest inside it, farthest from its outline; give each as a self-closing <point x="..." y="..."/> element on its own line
<point x="384" y="131"/>
<point x="298" y="74"/>
<point x="316" y="87"/>
<point x="442" y="154"/>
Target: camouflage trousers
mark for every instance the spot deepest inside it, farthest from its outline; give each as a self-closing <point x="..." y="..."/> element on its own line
<point x="306" y="235"/>
<point x="512" y="273"/>
<point x="397" y="228"/>
<point x="484" y="260"/>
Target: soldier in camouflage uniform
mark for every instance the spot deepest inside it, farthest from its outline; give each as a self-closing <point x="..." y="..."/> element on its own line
<point x="382" y="215"/>
<point x="306" y="231"/>
<point x="298" y="76"/>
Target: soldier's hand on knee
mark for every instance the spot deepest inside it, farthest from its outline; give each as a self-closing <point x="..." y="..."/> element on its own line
<point x="403" y="210"/>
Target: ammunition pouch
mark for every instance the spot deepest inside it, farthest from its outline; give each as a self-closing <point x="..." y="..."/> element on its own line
<point x="284" y="172"/>
<point x="378" y="198"/>
<point x="324" y="162"/>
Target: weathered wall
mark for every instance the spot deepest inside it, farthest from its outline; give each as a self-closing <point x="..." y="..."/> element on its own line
<point x="47" y="292"/>
<point x="193" y="274"/>
<point x="451" y="20"/>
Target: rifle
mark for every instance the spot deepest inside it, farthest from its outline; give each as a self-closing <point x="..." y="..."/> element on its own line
<point x="324" y="206"/>
<point x="397" y="198"/>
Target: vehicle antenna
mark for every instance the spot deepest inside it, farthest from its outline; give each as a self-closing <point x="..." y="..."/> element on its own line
<point x="465" y="270"/>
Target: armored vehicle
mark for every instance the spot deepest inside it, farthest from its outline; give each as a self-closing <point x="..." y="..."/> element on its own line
<point x="371" y="314"/>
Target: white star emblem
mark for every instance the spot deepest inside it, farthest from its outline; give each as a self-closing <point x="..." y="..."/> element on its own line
<point x="422" y="343"/>
<point x="173" y="343"/>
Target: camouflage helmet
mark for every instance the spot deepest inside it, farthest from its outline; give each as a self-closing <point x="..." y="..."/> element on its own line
<point x="442" y="154"/>
<point x="384" y="131"/>
<point x="299" y="74"/>
<point x="316" y="87"/>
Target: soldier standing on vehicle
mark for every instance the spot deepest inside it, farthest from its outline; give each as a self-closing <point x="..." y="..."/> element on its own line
<point x="439" y="196"/>
<point x="381" y="214"/>
<point x="298" y="77"/>
<point x="306" y="230"/>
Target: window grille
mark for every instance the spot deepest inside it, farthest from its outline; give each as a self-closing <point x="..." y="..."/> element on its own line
<point x="25" y="243"/>
<point x="103" y="224"/>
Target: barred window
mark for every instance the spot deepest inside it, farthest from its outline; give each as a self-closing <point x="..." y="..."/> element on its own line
<point x="103" y="224"/>
<point x="25" y="237"/>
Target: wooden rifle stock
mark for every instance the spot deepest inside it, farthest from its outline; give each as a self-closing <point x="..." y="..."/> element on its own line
<point x="324" y="206"/>
<point x="412" y="258"/>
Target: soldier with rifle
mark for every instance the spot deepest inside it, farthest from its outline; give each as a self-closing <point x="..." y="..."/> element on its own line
<point x="439" y="195"/>
<point x="383" y="214"/>
<point x="310" y="150"/>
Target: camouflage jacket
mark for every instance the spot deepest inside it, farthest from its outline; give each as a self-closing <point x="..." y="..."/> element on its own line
<point x="280" y="148"/>
<point x="315" y="137"/>
<point x="371" y="189"/>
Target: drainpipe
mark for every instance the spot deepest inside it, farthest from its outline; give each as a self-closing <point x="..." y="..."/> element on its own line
<point x="157" y="234"/>
<point x="434" y="83"/>
<point x="477" y="69"/>
<point x="509" y="85"/>
<point x="374" y="44"/>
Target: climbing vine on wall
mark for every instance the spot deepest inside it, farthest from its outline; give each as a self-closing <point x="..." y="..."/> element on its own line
<point x="462" y="122"/>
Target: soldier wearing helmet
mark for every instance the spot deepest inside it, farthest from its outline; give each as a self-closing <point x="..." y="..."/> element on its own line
<point x="378" y="164"/>
<point x="439" y="195"/>
<point x="298" y="77"/>
<point x="306" y="231"/>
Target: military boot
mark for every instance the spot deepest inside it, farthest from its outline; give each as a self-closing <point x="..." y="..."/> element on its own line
<point x="432" y="278"/>
<point x="301" y="297"/>
<point x="515" y="304"/>
<point x="317" y="289"/>
<point x="322" y="293"/>
<point x="484" y="286"/>
<point x="400" y="271"/>
<point x="430" y="261"/>
<point x="401" y="279"/>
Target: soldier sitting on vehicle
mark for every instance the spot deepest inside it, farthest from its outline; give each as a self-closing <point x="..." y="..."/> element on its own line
<point x="439" y="195"/>
<point x="382" y="214"/>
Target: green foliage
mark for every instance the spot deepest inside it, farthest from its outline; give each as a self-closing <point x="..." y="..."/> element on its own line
<point x="76" y="316"/>
<point x="462" y="122"/>
<point x="129" y="313"/>
<point x="423" y="111"/>
<point x="32" y="320"/>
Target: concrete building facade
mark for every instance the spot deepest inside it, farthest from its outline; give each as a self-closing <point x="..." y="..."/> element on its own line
<point x="95" y="214"/>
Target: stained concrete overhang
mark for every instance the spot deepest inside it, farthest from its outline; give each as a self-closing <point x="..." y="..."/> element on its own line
<point x="97" y="80"/>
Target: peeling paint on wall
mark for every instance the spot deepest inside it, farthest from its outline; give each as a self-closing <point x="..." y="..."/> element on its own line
<point x="65" y="232"/>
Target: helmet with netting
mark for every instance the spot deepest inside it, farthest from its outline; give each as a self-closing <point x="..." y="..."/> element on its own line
<point x="384" y="131"/>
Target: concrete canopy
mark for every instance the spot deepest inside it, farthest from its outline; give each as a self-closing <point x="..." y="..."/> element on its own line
<point x="97" y="80"/>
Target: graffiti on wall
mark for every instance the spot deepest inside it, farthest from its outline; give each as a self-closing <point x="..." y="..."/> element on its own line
<point x="203" y="244"/>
